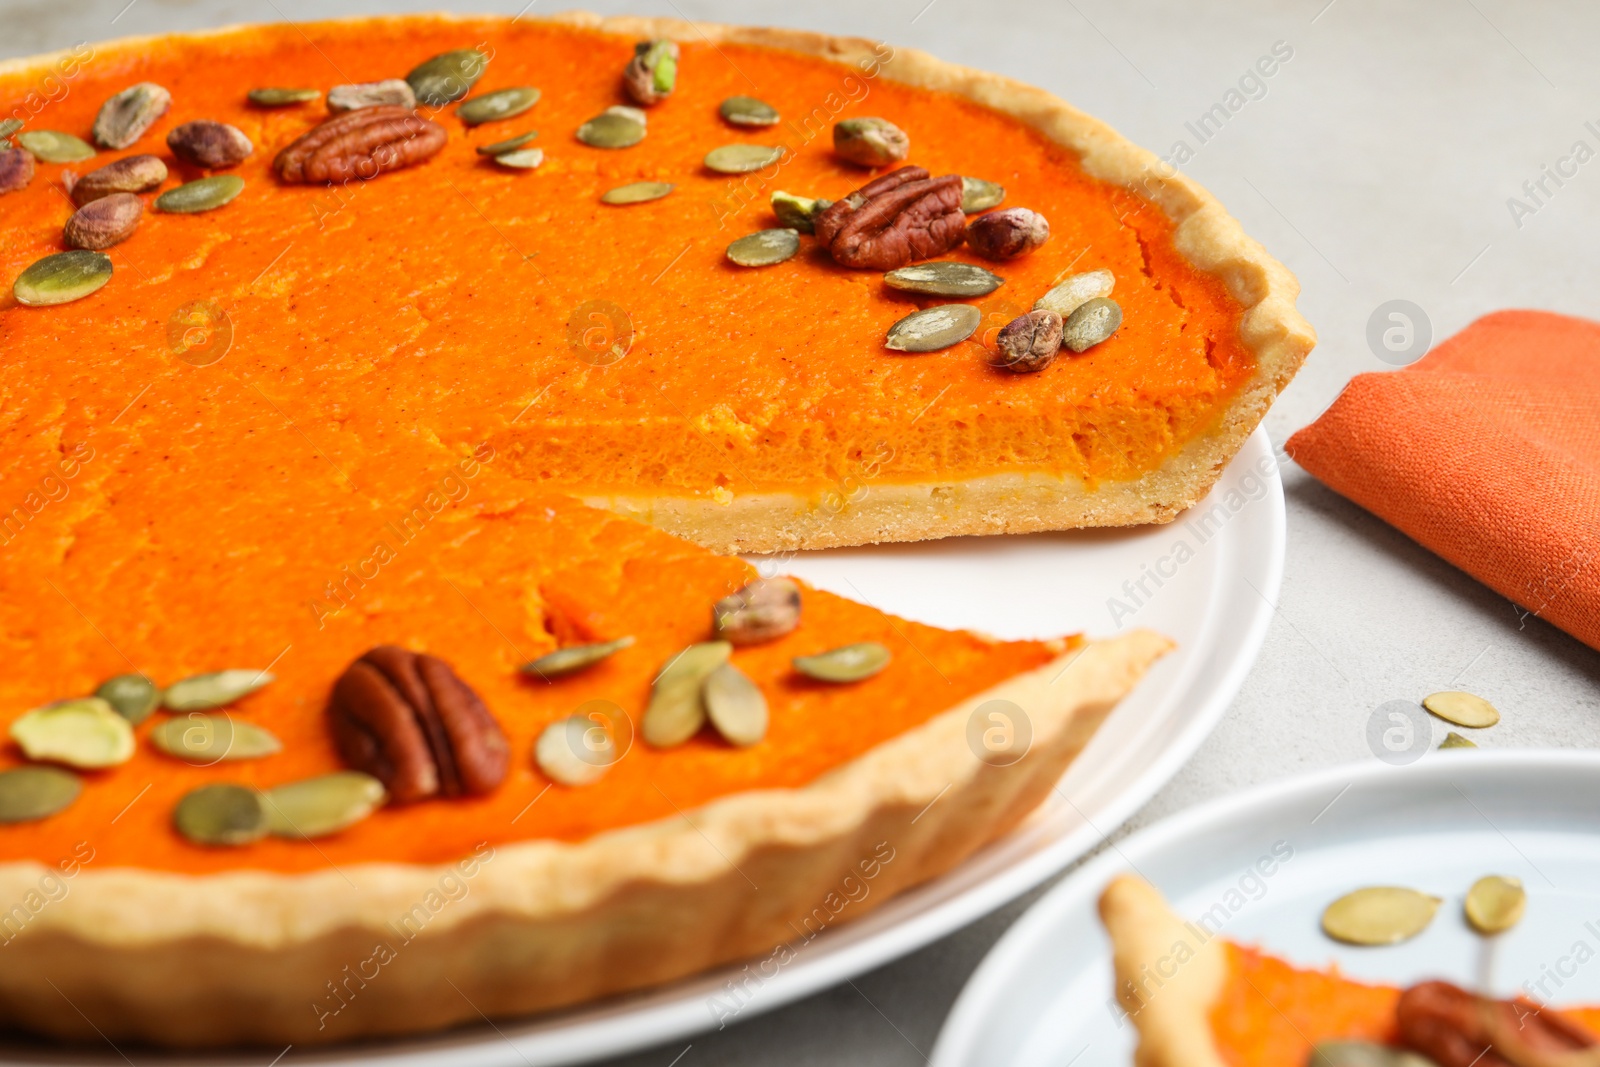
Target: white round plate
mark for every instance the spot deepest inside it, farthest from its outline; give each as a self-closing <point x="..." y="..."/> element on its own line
<point x="1043" y="995"/>
<point x="1208" y="580"/>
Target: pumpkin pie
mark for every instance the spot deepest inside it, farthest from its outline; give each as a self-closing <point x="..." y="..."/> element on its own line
<point x="1197" y="999"/>
<point x="614" y="353"/>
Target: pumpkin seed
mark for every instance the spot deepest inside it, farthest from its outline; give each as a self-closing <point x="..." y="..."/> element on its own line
<point x="85" y="732"/>
<point x="798" y="212"/>
<point x="1455" y="740"/>
<point x="934" y="328"/>
<point x="748" y="111"/>
<point x="1363" y="1054"/>
<point x="133" y="696"/>
<point x="126" y="116"/>
<point x="574" y="658"/>
<point x="53" y="146"/>
<point x="275" y="97"/>
<point x="763" y="610"/>
<point x="736" y="706"/>
<point x="30" y="793"/>
<point x="574" y="751"/>
<point x="500" y="104"/>
<point x="1495" y="904"/>
<point x="1379" y="915"/>
<point x="447" y="77"/>
<point x="62" y="278"/>
<point x="1074" y="290"/>
<point x="1463" y="709"/>
<point x="510" y="144"/>
<point x="202" y="692"/>
<point x="613" y="128"/>
<point x="852" y="663"/>
<point x="521" y="159"/>
<point x="203" y="194"/>
<point x="636" y="193"/>
<point x="979" y="195"/>
<point x="317" y="807"/>
<point x="945" y="278"/>
<point x="742" y="158"/>
<point x="208" y="739"/>
<point x="221" y="815"/>
<point x="677" y="707"/>
<point x="764" y="248"/>
<point x="8" y="127"/>
<point x="1093" y="321"/>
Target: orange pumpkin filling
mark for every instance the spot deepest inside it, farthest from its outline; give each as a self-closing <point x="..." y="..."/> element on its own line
<point x="1272" y="1013"/>
<point x="467" y="303"/>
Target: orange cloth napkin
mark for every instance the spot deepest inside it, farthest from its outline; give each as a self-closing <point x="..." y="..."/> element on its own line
<point x="1487" y="451"/>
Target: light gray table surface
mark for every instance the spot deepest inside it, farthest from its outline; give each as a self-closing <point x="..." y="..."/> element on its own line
<point x="1377" y="162"/>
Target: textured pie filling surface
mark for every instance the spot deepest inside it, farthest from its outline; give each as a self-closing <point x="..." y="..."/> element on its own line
<point x="1271" y="1012"/>
<point x="442" y="300"/>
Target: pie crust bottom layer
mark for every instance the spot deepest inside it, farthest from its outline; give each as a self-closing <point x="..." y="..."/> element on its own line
<point x="384" y="949"/>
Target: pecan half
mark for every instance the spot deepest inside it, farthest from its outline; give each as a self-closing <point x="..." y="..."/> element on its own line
<point x="406" y="719"/>
<point x="1456" y="1028"/>
<point x="360" y="145"/>
<point x="894" y="220"/>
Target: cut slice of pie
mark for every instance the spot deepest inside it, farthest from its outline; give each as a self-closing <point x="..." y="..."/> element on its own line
<point x="613" y="353"/>
<point x="1199" y="1000"/>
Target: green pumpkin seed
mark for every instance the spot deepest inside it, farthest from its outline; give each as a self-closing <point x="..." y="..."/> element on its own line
<point x="798" y="212"/>
<point x="677" y="707"/>
<point x="53" y="146"/>
<point x="636" y="193"/>
<point x="735" y="705"/>
<point x="510" y="144"/>
<point x="62" y="278"/>
<point x="126" y="116"/>
<point x="748" y="111"/>
<point x="275" y="97"/>
<point x="1094" y="321"/>
<point x="133" y="696"/>
<point x="448" y="77"/>
<point x="1379" y="915"/>
<point x="1455" y="740"/>
<point x="208" y="739"/>
<point x="1363" y="1054"/>
<point x="221" y="815"/>
<point x="8" y="127"/>
<point x="1463" y="709"/>
<point x="521" y="159"/>
<point x="85" y="732"/>
<point x="1073" y="291"/>
<point x="323" y="805"/>
<point x="934" y="328"/>
<point x="574" y="751"/>
<point x="565" y="661"/>
<point x="944" y="278"/>
<point x="1495" y="904"/>
<point x="204" y="194"/>
<point x="31" y="793"/>
<point x="742" y="158"/>
<point x="852" y="663"/>
<point x="500" y="104"/>
<point x="202" y="692"/>
<point x="764" y="248"/>
<point x="616" y="127"/>
<point x="979" y="195"/>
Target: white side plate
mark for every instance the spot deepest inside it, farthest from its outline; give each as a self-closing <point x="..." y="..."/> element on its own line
<point x="1043" y="994"/>
<point x="1208" y="581"/>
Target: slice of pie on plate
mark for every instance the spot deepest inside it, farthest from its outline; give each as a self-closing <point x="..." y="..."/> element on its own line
<point x="614" y="353"/>
<point x="1199" y="1000"/>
